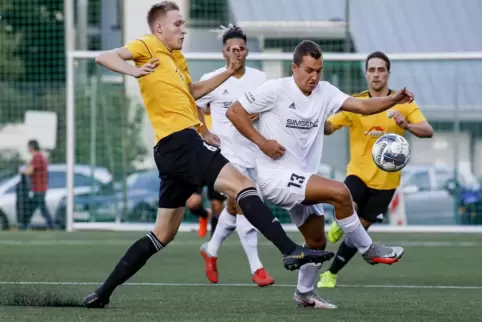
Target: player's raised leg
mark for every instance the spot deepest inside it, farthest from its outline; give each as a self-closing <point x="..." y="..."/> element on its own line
<point x="319" y="189"/>
<point x="231" y="182"/>
<point x="312" y="229"/>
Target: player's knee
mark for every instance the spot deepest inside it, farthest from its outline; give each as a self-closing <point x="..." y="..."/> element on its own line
<point x="318" y="242"/>
<point x="194" y="201"/>
<point x="231" y="182"/>
<point x="342" y="197"/>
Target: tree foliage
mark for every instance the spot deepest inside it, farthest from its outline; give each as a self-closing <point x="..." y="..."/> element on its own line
<point x="32" y="77"/>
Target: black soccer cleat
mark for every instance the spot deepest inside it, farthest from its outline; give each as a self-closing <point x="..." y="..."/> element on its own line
<point x="302" y="255"/>
<point x="93" y="301"/>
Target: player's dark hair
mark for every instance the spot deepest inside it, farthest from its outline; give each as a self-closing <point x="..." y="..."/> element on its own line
<point x="306" y="48"/>
<point x="33" y="144"/>
<point x="160" y="9"/>
<point x="234" y="32"/>
<point x="380" y="55"/>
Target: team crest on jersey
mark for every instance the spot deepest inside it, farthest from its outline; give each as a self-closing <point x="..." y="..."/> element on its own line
<point x="375" y="131"/>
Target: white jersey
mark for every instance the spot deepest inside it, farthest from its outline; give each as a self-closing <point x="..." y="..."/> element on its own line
<point x="234" y="146"/>
<point x="294" y="120"/>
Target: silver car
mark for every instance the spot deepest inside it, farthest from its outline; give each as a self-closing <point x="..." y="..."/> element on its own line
<point x="426" y="189"/>
<point x="57" y="190"/>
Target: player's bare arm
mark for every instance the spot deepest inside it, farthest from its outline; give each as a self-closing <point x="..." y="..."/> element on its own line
<point x="199" y="89"/>
<point x="422" y="129"/>
<point x="204" y="131"/>
<point x="242" y="122"/>
<point x="376" y="105"/>
<point x="116" y="60"/>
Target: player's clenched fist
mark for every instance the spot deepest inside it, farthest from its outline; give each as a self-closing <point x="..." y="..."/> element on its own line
<point x="272" y="149"/>
<point x="147" y="68"/>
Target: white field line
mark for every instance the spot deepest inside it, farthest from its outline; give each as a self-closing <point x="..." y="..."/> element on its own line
<point x="443" y="287"/>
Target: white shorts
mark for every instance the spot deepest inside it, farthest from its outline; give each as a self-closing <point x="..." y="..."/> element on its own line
<point x="286" y="189"/>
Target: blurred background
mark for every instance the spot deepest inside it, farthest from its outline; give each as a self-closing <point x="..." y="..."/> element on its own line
<point x="115" y="180"/>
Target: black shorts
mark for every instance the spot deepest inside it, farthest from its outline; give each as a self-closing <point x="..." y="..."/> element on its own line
<point x="372" y="203"/>
<point x="185" y="163"/>
<point x="212" y="194"/>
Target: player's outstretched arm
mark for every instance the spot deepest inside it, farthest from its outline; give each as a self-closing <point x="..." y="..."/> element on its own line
<point x="376" y="105"/>
<point x="116" y="60"/>
<point x="201" y="88"/>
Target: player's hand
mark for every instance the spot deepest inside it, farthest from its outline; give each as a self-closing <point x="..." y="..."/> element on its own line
<point x="253" y="117"/>
<point x="399" y="119"/>
<point x="233" y="58"/>
<point x="403" y="96"/>
<point x="211" y="138"/>
<point x="147" y="68"/>
<point x="273" y="149"/>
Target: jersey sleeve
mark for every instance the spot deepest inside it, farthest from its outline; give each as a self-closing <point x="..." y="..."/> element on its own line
<point x="336" y="98"/>
<point x="413" y="114"/>
<point x="340" y="119"/>
<point x="204" y="101"/>
<point x="138" y="49"/>
<point x="261" y="99"/>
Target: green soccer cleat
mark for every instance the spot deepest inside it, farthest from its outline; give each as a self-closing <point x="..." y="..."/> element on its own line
<point x="327" y="280"/>
<point x="335" y="233"/>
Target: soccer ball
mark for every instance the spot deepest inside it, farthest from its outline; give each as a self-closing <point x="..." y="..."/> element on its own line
<point x="391" y="152"/>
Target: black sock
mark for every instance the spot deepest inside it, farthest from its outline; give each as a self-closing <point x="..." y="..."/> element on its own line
<point x="259" y="215"/>
<point x="135" y="257"/>
<point x="199" y="211"/>
<point x="214" y="223"/>
<point x="342" y="257"/>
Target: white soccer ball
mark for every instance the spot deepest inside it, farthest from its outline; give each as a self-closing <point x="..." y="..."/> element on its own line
<point x="391" y="152"/>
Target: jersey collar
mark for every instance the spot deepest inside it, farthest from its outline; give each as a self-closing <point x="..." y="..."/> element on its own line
<point x="389" y="93"/>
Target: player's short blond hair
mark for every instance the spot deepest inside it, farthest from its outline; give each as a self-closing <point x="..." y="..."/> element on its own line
<point x="160" y="9"/>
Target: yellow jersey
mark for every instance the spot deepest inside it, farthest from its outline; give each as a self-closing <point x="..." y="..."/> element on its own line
<point x="165" y="92"/>
<point x="364" y="131"/>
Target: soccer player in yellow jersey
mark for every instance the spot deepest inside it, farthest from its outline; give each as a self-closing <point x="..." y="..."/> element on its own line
<point x="372" y="189"/>
<point x="184" y="160"/>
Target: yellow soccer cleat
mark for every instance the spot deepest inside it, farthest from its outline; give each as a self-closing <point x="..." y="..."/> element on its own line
<point x="327" y="280"/>
<point x="335" y="233"/>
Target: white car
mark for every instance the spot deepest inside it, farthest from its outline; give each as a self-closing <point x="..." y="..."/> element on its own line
<point x="86" y="178"/>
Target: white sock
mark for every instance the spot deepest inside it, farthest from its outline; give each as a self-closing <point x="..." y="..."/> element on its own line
<point x="355" y="232"/>
<point x="249" y="239"/>
<point x="226" y="225"/>
<point x="307" y="277"/>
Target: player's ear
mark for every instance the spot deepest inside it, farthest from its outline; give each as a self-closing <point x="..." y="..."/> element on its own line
<point x="294" y="67"/>
<point x="247" y="51"/>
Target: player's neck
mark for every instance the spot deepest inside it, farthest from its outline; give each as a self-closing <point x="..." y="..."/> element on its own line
<point x="381" y="93"/>
<point x="240" y="72"/>
<point x="164" y="43"/>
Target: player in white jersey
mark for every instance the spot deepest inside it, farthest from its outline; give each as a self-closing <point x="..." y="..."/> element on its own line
<point x="239" y="151"/>
<point x="292" y="112"/>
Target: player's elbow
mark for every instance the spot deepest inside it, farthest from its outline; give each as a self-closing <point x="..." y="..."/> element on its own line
<point x="231" y="113"/>
<point x="101" y="58"/>
<point x="428" y="131"/>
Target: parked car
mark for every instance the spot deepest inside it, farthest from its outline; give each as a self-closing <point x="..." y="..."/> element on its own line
<point x="86" y="178"/>
<point x="429" y="199"/>
<point x="142" y="195"/>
